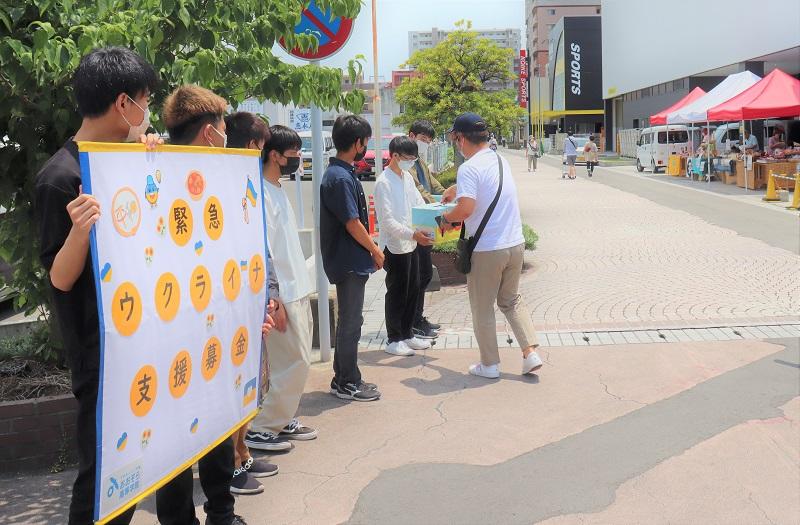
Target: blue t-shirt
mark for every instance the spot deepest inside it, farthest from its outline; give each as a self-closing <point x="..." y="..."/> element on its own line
<point x="570" y="147"/>
<point x="342" y="200"/>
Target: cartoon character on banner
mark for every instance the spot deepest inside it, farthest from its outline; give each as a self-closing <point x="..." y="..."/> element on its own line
<point x="151" y="190"/>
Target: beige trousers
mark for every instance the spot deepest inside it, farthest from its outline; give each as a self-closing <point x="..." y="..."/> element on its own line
<point x="495" y="279"/>
<point x="289" y="357"/>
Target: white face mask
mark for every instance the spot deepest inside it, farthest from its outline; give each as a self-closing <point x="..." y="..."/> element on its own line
<point x="134" y="132"/>
<point x="406" y="165"/>
<point x="224" y="137"/>
<point x="422" y="147"/>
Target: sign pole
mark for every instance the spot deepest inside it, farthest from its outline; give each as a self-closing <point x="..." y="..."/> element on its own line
<point x="323" y="318"/>
<point x="376" y="100"/>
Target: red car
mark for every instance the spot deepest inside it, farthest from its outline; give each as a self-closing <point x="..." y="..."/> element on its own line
<point x="365" y="168"/>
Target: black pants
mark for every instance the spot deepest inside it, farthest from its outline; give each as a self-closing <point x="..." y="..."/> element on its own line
<point x="174" y="502"/>
<point x="350" y="300"/>
<point x="402" y="291"/>
<point x="81" y="508"/>
<point x="590" y="166"/>
<point x="425" y="276"/>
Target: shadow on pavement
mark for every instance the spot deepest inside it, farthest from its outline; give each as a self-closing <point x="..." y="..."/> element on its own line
<point x="35" y="499"/>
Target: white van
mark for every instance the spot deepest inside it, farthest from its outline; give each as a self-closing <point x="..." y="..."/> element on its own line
<point x="328" y="151"/>
<point x="652" y="150"/>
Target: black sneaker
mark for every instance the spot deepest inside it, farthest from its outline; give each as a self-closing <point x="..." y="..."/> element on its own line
<point x="294" y="430"/>
<point x="362" y="385"/>
<point x="243" y="483"/>
<point x="425" y="333"/>
<point x="432" y="326"/>
<point x="266" y="441"/>
<point x="352" y="391"/>
<point x="258" y="468"/>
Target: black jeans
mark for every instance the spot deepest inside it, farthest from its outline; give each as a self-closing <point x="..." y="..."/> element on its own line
<point x="81" y="508"/>
<point x="402" y="290"/>
<point x="350" y="300"/>
<point x="425" y="276"/>
<point x="174" y="502"/>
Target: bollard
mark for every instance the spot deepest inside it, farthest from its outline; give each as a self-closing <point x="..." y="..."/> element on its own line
<point x="772" y="194"/>
<point x="372" y="220"/>
<point x="796" y="200"/>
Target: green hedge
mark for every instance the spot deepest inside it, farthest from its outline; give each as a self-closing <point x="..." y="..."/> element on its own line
<point x="531" y="237"/>
<point x="448" y="177"/>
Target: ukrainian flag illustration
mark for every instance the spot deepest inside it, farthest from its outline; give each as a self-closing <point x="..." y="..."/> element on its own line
<point x="105" y="273"/>
<point x="243" y="265"/>
<point x="193" y="427"/>
<point x="249" y="392"/>
<point x="198" y="247"/>
<point x="122" y="441"/>
<point x="251" y="193"/>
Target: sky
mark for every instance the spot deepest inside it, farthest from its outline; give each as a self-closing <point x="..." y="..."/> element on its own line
<point x="397" y="17"/>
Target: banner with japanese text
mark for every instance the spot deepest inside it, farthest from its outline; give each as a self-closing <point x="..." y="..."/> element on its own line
<point x="179" y="257"/>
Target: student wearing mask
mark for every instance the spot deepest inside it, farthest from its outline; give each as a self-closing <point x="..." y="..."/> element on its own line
<point x="112" y="87"/>
<point x="349" y="255"/>
<point x="289" y="345"/>
<point x="422" y="133"/>
<point x="395" y="195"/>
<point x="194" y="116"/>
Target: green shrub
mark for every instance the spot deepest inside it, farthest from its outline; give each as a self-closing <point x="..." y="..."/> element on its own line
<point x="34" y="344"/>
<point x="445" y="247"/>
<point x="530" y="241"/>
<point x="448" y="177"/>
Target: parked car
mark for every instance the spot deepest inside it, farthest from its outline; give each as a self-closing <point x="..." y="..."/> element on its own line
<point x="365" y="168"/>
<point x="652" y="150"/>
<point x="328" y="151"/>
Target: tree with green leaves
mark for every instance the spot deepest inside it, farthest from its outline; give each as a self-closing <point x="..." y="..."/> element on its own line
<point x="455" y="77"/>
<point x="224" y="46"/>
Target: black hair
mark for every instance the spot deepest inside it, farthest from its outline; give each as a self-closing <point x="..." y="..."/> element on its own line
<point x="105" y="73"/>
<point x="186" y="132"/>
<point x="476" y="137"/>
<point x="281" y="140"/>
<point x="348" y="129"/>
<point x="243" y="127"/>
<point x="422" y="127"/>
<point x="569" y="133"/>
<point x="403" y="145"/>
<point x="591" y="137"/>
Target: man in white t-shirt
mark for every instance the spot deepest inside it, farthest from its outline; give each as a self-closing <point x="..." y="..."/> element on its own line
<point x="289" y="344"/>
<point x="498" y="255"/>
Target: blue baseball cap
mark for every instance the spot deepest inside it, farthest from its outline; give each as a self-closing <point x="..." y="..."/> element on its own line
<point x="468" y="123"/>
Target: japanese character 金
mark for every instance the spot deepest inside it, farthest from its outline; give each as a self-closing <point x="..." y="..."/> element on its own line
<point x="240" y="343"/>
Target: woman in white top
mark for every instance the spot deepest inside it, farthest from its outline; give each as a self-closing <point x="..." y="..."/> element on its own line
<point x="590" y="154"/>
<point x="533" y="152"/>
<point x="395" y="195"/>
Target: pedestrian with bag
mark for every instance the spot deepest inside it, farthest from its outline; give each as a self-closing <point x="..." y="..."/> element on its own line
<point x="492" y="255"/>
<point x="590" y="154"/>
<point x="571" y="154"/>
<point x="532" y="153"/>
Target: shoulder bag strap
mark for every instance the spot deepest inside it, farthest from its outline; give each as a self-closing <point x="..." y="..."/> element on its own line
<point x="475" y="238"/>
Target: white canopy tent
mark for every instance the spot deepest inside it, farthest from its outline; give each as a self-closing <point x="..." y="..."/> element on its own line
<point x="697" y="111"/>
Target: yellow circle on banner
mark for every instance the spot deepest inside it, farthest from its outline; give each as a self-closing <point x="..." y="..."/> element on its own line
<point x="212" y="218"/>
<point x="126" y="309"/>
<point x="231" y="280"/>
<point x="256" y="273"/>
<point x="180" y="222"/>
<point x="200" y="288"/>
<point x="212" y="356"/>
<point x="144" y="388"/>
<point x="180" y="374"/>
<point x="239" y="346"/>
<point x="167" y="296"/>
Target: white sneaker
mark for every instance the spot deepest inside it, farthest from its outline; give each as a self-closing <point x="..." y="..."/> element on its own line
<point x="399" y="348"/>
<point x="531" y="364"/>
<point x="416" y="343"/>
<point x="481" y="370"/>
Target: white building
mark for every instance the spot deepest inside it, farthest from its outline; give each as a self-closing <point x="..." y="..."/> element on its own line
<point x="697" y="45"/>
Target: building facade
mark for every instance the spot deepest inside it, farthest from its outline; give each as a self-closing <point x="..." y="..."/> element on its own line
<point x="644" y="73"/>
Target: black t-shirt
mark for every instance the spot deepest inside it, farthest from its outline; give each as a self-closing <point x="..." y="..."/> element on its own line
<point x="57" y="184"/>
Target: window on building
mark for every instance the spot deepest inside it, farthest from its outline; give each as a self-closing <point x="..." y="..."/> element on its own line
<point x="597" y="10"/>
<point x="551" y="12"/>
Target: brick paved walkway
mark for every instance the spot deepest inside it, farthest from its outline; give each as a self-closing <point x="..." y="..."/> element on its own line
<point x="610" y="261"/>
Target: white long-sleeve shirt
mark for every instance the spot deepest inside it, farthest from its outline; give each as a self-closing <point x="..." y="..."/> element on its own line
<point x="394" y="198"/>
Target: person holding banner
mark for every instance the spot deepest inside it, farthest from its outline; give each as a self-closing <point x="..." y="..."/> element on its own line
<point x="112" y="87"/>
<point x="193" y="116"/>
<point x="348" y="253"/>
<point x="289" y="345"/>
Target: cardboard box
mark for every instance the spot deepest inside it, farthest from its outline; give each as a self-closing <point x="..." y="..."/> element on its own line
<point x="423" y="218"/>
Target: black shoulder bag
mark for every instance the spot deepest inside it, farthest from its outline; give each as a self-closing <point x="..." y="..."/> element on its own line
<point x="465" y="247"/>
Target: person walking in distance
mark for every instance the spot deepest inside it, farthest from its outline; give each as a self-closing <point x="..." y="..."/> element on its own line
<point x="422" y="132"/>
<point x="395" y="195"/>
<point x="487" y="196"/>
<point x="571" y="153"/>
<point x="590" y="154"/>
<point x="532" y="152"/>
<point x="349" y="255"/>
